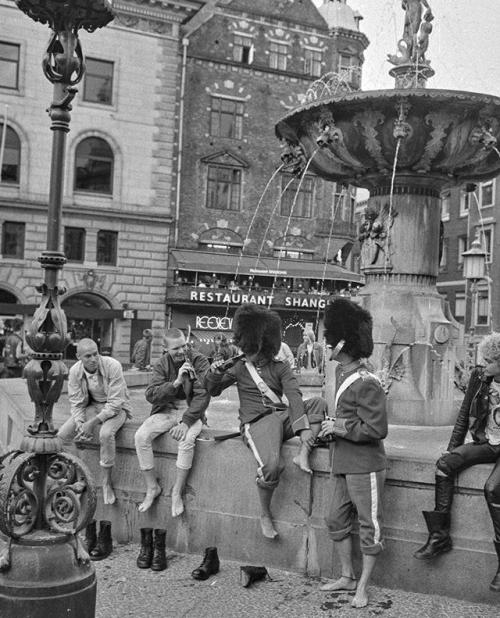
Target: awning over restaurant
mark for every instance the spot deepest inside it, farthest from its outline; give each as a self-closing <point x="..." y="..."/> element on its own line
<point x="224" y="263"/>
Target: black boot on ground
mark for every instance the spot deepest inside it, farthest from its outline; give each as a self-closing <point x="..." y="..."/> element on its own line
<point x="159" y="562"/>
<point x="145" y="557"/>
<point x="90" y="536"/>
<point x="495" y="582"/>
<point x="104" y="544"/>
<point x="251" y="574"/>
<point x="209" y="566"/>
<point x="439" y="541"/>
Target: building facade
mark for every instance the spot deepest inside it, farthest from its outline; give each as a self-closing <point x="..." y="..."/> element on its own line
<point x="119" y="175"/>
<point x="246" y="227"/>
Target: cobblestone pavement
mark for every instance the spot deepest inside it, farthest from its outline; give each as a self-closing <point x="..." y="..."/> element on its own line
<point x="125" y="591"/>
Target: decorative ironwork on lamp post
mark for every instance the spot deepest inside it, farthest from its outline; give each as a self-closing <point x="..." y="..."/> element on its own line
<point x="48" y="496"/>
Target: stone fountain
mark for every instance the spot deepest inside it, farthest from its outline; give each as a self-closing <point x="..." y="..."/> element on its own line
<point x="405" y="146"/>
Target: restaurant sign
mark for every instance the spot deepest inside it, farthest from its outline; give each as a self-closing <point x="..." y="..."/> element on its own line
<point x="239" y="298"/>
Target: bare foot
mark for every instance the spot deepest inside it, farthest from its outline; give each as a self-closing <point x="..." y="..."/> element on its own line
<point x="151" y="495"/>
<point x="343" y="583"/>
<point x="268" y="529"/>
<point x="177" y="505"/>
<point x="302" y="460"/>
<point x="360" y="599"/>
<point x="108" y="494"/>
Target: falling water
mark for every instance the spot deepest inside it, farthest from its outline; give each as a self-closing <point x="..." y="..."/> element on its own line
<point x="289" y="219"/>
<point x="496" y="150"/>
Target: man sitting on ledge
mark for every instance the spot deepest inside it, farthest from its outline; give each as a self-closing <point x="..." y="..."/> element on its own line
<point x="99" y="397"/>
<point x="176" y="389"/>
<point x="265" y="421"/>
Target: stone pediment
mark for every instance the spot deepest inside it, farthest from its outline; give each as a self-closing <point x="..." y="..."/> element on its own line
<point x="225" y="158"/>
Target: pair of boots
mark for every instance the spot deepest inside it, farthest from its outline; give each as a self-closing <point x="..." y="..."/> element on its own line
<point x="152" y="553"/>
<point x="495" y="517"/>
<point x="99" y="546"/>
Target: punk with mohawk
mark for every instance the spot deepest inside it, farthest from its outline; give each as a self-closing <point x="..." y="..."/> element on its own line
<point x="358" y="425"/>
<point x="265" y="421"/>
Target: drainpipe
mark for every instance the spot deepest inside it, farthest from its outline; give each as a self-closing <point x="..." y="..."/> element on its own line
<point x="185" y="43"/>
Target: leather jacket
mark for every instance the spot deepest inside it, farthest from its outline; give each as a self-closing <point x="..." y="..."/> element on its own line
<point x="474" y="410"/>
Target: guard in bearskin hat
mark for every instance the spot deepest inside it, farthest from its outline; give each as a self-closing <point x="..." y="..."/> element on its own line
<point x="358" y="425"/>
<point x="265" y="421"/>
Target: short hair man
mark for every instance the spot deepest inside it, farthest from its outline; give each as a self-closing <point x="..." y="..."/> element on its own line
<point x="100" y="400"/>
<point x="141" y="355"/>
<point x="14" y="354"/>
<point x="179" y="402"/>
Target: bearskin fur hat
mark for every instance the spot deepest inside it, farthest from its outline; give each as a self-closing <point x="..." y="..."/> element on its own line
<point x="257" y="330"/>
<point x="346" y="320"/>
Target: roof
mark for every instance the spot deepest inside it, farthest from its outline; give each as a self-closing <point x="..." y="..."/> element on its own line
<point x="339" y="15"/>
<point x="224" y="263"/>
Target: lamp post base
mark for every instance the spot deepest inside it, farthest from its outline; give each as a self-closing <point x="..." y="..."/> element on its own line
<point x="47" y="579"/>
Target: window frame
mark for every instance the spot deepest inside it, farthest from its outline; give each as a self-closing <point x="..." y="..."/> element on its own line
<point x="88" y="75"/>
<point x="235" y="182"/>
<point x="483" y="294"/>
<point x="278" y="55"/>
<point x="16" y="62"/>
<point x="243" y="53"/>
<point x="288" y="192"/>
<point x="219" y="115"/>
<point x="81" y="259"/>
<point x="19" y="254"/>
<point x="462" y="242"/>
<point x="312" y="62"/>
<point x="111" y="159"/>
<point x="111" y="234"/>
<point x="445" y="206"/>
<point x="487" y="237"/>
<point x="461" y="301"/>
<point x="484" y="185"/>
<point x="17" y="182"/>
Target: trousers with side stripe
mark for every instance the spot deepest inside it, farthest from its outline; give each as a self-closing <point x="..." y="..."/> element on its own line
<point x="361" y="494"/>
<point x="265" y="437"/>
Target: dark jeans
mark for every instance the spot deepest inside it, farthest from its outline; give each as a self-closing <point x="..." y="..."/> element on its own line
<point x="468" y="455"/>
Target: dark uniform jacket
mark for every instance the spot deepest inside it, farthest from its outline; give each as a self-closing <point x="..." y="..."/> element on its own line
<point x="277" y="375"/>
<point x="163" y="394"/>
<point x="360" y="426"/>
<point x="473" y="415"/>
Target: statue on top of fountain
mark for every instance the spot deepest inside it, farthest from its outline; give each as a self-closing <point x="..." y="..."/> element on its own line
<point x="417" y="28"/>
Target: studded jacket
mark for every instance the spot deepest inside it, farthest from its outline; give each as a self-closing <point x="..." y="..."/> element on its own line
<point x="473" y="414"/>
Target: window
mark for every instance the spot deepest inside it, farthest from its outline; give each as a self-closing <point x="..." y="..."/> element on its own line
<point x="486" y="237"/>
<point x="223" y="188"/>
<point x="443" y="264"/>
<point x="459" y="306"/>
<point x="445" y="207"/>
<point x="107" y="246"/>
<point x="11" y="156"/>
<point x="303" y="198"/>
<point x="348" y="67"/>
<point x="74" y="244"/>
<point x="94" y="166"/>
<point x="9" y="65"/>
<point x="98" y="84"/>
<point x="467" y="199"/>
<point x="292" y="255"/>
<point x="487" y="192"/>
<point x="13" y="239"/>
<point x="312" y="62"/>
<point x="243" y="49"/>
<point x="226" y="118"/>
<point x="277" y="56"/>
<point x="482" y="308"/>
<point x="462" y="246"/>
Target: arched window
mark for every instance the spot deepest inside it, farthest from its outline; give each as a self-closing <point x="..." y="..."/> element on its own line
<point x="11" y="156"/>
<point x="94" y="166"/>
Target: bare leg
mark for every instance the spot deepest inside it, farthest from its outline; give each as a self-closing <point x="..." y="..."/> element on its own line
<point x="266" y="518"/>
<point x="107" y="487"/>
<point x="361" y="596"/>
<point x="153" y="490"/>
<point x="302" y="459"/>
<point x="347" y="581"/>
<point x="177" y="490"/>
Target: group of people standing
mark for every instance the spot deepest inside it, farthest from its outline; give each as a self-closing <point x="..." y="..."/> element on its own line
<point x="272" y="411"/>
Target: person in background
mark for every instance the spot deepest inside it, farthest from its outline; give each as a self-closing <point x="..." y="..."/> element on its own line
<point x="179" y="402"/>
<point x="358" y="425"/>
<point x="310" y="353"/>
<point x="99" y="401"/>
<point x="285" y="354"/>
<point x="14" y="353"/>
<point x="141" y="354"/>
<point x="480" y="415"/>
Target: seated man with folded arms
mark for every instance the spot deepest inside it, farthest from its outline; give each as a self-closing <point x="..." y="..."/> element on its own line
<point x="99" y="398"/>
<point x="265" y="421"/>
<point x="179" y="402"/>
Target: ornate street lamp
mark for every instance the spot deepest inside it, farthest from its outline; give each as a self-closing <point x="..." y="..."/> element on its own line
<point x="48" y="496"/>
<point x="474" y="262"/>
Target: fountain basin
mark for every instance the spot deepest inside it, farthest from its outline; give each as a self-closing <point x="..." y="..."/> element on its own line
<point x="445" y="135"/>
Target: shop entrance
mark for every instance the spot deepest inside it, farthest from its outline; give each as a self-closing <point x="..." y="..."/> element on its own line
<point x="86" y="318"/>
